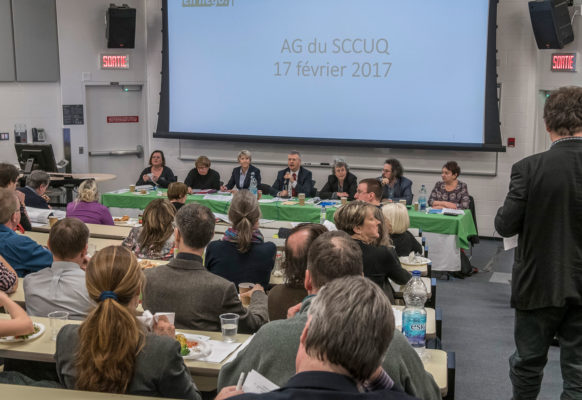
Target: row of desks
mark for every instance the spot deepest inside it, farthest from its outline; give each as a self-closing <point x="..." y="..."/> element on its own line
<point x="204" y="373"/>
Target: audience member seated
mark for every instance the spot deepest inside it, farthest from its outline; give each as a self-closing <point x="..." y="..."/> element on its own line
<point x="202" y="176"/>
<point x="380" y="262"/>
<point x="341" y="183"/>
<point x="62" y="286"/>
<point x="394" y="186"/>
<point x="404" y="242"/>
<point x="300" y="178"/>
<point x="21" y="252"/>
<point x="157" y="173"/>
<point x="242" y="255"/>
<point x="19" y="323"/>
<point x="154" y="240"/>
<point x="241" y="176"/>
<point x="197" y="296"/>
<point x="87" y="207"/>
<point x="350" y="326"/>
<point x="35" y="190"/>
<point x="8" y="177"/>
<point x="369" y="191"/>
<point x="177" y="193"/>
<point x="286" y="295"/>
<point x="8" y="277"/>
<point x="450" y="192"/>
<point x="110" y="351"/>
<point x="273" y="349"/>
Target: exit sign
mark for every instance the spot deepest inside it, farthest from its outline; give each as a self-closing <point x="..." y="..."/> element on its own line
<point x="114" y="61"/>
<point x="564" y="62"/>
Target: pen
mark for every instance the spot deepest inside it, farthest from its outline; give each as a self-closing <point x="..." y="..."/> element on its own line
<point x="241" y="379"/>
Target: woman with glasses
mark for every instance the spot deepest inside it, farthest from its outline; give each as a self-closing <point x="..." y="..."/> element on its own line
<point x="202" y="176"/>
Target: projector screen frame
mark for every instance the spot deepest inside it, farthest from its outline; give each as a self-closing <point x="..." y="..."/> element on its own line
<point x="491" y="129"/>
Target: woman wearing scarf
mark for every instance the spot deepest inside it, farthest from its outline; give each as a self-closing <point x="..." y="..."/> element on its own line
<point x="242" y="255"/>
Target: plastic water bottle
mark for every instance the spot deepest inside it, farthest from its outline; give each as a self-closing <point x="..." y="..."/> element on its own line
<point x="253" y="184"/>
<point x="414" y="314"/>
<point x="322" y="215"/>
<point x="422" y="199"/>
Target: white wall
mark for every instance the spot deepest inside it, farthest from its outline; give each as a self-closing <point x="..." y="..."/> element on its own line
<point x="522" y="69"/>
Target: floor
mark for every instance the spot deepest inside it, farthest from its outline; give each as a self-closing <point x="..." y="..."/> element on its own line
<point x="478" y="327"/>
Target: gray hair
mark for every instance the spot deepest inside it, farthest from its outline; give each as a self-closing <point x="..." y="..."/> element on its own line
<point x="351" y="325"/>
<point x="333" y="255"/>
<point x="195" y="223"/>
<point x="338" y="164"/>
<point x="295" y="153"/>
<point x="37" y="178"/>
<point x="245" y="153"/>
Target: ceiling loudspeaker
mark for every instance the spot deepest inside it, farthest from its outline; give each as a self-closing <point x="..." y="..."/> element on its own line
<point x="120" y="27"/>
<point x="551" y="23"/>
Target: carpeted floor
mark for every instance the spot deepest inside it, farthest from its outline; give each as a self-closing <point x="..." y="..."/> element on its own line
<point x="478" y="327"/>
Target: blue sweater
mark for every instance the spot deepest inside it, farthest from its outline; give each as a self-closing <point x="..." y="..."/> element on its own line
<point x="23" y="253"/>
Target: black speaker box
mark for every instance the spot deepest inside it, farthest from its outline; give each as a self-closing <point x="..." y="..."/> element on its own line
<point x="551" y="24"/>
<point x="120" y="27"/>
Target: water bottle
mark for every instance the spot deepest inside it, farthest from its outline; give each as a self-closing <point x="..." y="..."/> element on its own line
<point x="422" y="199"/>
<point x="322" y="215"/>
<point x="290" y="189"/>
<point x="253" y="185"/>
<point x="414" y="314"/>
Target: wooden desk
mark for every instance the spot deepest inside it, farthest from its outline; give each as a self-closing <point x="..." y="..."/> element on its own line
<point x="205" y="374"/>
<point x="96" y="231"/>
<point x="31" y="392"/>
<point x="42" y="239"/>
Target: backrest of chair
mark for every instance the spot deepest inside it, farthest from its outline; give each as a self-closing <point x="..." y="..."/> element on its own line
<point x="473" y="212"/>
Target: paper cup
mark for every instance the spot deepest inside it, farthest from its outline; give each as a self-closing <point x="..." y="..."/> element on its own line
<point x="52" y="221"/>
<point x="244" y="287"/>
<point x="132" y="188"/>
<point x="301" y="197"/>
<point x="344" y="201"/>
<point x="170" y="315"/>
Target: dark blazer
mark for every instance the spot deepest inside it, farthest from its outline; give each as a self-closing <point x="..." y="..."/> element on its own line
<point x="304" y="181"/>
<point x="404" y="243"/>
<point x="198" y="297"/>
<point x="331" y="187"/>
<point x="235" y="178"/>
<point x="402" y="190"/>
<point x="382" y="263"/>
<point x="318" y="385"/>
<point x="209" y="181"/>
<point x="166" y="177"/>
<point x="281" y="297"/>
<point x="544" y="206"/>
<point x="223" y="259"/>
<point x="159" y="368"/>
<point x="32" y="199"/>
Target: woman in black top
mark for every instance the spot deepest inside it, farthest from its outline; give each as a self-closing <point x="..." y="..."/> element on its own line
<point x="242" y="255"/>
<point x="202" y="176"/>
<point x="341" y="183"/>
<point x="157" y="173"/>
<point x="380" y="262"/>
<point x="177" y="193"/>
<point x="404" y="242"/>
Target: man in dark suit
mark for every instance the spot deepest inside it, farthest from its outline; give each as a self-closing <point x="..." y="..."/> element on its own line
<point x="349" y="327"/>
<point x="544" y="206"/>
<point x="34" y="192"/>
<point x="300" y="178"/>
<point x="197" y="296"/>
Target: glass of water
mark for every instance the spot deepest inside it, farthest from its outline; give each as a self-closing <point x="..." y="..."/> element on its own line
<point x="229" y="325"/>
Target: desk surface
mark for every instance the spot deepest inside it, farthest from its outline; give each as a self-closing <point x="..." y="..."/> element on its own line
<point x="98" y="177"/>
<point x="42" y="239"/>
<point x="31" y="392"/>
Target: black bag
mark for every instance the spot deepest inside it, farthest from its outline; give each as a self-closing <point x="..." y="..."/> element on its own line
<point x="466" y="267"/>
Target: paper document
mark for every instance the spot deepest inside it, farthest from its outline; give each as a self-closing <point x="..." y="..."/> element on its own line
<point x="453" y="211"/>
<point x="242" y="346"/>
<point x="220" y="350"/>
<point x="41" y="215"/>
<point x="217" y="197"/>
<point x="257" y="383"/>
<point x="510" y="242"/>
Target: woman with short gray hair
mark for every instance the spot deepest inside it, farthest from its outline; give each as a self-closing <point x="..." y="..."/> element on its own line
<point x="360" y="221"/>
<point x="241" y="176"/>
<point x="242" y="255"/>
<point x="35" y="190"/>
<point x="341" y="182"/>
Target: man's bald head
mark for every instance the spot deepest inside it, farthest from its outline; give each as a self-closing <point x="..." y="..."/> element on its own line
<point x="296" y="249"/>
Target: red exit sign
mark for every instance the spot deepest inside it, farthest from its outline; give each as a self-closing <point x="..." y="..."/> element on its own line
<point x="114" y="61"/>
<point x="564" y="62"/>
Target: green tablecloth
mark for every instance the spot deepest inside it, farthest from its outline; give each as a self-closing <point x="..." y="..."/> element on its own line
<point x="462" y="225"/>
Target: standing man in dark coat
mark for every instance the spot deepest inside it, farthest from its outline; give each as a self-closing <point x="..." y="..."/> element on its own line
<point x="544" y="207"/>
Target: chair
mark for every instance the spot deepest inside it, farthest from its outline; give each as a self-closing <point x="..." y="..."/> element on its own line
<point x="313" y="192"/>
<point x="473" y="239"/>
<point x="451" y="367"/>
